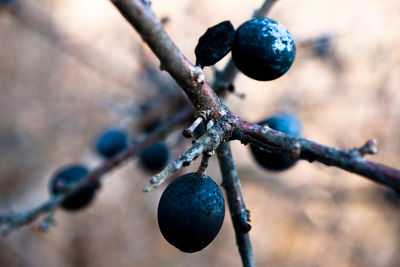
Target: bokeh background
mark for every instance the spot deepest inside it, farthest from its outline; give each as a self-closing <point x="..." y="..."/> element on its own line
<point x="70" y="68"/>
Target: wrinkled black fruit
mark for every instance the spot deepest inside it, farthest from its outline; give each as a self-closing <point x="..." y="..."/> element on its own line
<point x="68" y="176"/>
<point x="214" y="44"/>
<point x="155" y="157"/>
<point x="111" y="142"/>
<point x="283" y="122"/>
<point x="191" y="212"/>
<point x="263" y="49"/>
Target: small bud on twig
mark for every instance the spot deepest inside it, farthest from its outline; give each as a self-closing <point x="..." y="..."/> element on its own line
<point x="369" y="148"/>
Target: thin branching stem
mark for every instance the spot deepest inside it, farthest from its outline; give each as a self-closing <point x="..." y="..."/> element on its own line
<point x="237" y="208"/>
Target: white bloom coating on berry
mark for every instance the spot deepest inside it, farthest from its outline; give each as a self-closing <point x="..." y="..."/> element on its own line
<point x="283" y="39"/>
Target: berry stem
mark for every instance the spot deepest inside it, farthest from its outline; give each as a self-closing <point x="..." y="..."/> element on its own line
<point x="204" y="164"/>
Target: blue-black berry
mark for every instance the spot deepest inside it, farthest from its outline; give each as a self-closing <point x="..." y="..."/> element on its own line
<point x="283" y="122"/>
<point x="155" y="157"/>
<point x="6" y="2"/>
<point x="214" y="44"/>
<point x="263" y="49"/>
<point x="68" y="176"/>
<point x="111" y="142"/>
<point x="191" y="212"/>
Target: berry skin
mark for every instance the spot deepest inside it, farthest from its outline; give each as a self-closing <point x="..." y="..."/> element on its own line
<point x="111" y="142"/>
<point x="214" y="44"/>
<point x="68" y="176"/>
<point x="191" y="212"/>
<point x="283" y="122"/>
<point x="263" y="49"/>
<point x="155" y="157"/>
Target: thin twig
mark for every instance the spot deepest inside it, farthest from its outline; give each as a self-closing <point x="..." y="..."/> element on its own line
<point x="239" y="213"/>
<point x="12" y="221"/>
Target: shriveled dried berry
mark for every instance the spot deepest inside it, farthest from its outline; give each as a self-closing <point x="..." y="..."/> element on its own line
<point x="214" y="44"/>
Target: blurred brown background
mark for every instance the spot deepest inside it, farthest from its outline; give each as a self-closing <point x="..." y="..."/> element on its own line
<point x="70" y="68"/>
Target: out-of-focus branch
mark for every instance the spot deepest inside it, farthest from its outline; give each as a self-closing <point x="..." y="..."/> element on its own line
<point x="264" y="9"/>
<point x="32" y="16"/>
<point x="15" y="220"/>
<point x="12" y="221"/>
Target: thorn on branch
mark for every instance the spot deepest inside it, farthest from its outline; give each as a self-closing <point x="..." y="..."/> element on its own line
<point x="369" y="148"/>
<point x="188" y="132"/>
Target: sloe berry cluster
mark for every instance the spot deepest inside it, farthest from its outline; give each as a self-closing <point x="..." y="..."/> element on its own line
<point x="262" y="48"/>
<point x="108" y="144"/>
